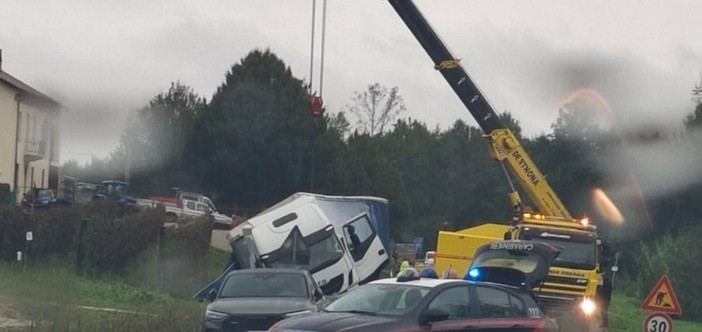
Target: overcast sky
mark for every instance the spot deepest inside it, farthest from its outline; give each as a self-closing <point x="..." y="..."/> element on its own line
<point x="104" y="59"/>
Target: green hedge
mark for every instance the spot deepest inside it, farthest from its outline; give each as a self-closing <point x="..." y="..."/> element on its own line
<point x="14" y="224"/>
<point x="112" y="237"/>
<point x="6" y="196"/>
<point x="678" y="256"/>
<point x="55" y="233"/>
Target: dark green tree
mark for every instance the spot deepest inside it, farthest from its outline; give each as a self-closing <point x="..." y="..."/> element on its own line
<point x="252" y="145"/>
<point x="154" y="142"/>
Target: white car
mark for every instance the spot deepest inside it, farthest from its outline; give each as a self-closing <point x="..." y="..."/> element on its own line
<point x="429" y="258"/>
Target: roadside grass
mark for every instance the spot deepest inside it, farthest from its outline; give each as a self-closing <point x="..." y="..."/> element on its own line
<point x="54" y="298"/>
<point x="626" y="315"/>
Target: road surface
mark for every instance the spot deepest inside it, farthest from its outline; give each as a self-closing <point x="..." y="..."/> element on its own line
<point x="219" y="240"/>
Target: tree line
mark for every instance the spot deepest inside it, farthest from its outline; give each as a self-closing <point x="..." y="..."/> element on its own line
<point x="254" y="143"/>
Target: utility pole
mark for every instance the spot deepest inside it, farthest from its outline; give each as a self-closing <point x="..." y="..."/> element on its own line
<point x="18" y="98"/>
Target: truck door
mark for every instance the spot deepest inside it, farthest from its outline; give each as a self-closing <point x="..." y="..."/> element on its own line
<point x="193" y="208"/>
<point x="365" y="247"/>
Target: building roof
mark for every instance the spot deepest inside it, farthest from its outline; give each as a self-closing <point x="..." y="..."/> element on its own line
<point x="26" y="89"/>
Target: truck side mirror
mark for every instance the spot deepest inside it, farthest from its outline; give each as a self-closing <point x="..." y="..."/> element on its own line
<point x="318" y="295"/>
<point x="212" y="295"/>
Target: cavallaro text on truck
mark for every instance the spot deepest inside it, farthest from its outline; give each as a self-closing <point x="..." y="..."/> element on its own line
<point x="512" y="246"/>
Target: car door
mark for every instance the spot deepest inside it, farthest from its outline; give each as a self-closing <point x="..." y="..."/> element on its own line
<point x="364" y="245"/>
<point x="500" y="310"/>
<point x="451" y="309"/>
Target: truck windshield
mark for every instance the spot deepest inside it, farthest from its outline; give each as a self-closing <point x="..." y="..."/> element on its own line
<point x="519" y="260"/>
<point x="577" y="255"/>
<point x="322" y="254"/>
<point x="577" y="250"/>
<point x="209" y="203"/>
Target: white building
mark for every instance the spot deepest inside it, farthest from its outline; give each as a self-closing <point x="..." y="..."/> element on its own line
<point x="29" y="136"/>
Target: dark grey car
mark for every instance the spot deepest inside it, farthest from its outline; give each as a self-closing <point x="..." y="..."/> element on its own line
<point x="255" y="299"/>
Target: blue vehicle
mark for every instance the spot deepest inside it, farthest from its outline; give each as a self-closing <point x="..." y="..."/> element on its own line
<point x="42" y="199"/>
<point x="118" y="189"/>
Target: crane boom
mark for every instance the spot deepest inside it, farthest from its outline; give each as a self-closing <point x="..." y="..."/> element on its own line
<point x="504" y="145"/>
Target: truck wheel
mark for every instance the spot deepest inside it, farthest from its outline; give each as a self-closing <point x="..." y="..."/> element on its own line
<point x="171" y="218"/>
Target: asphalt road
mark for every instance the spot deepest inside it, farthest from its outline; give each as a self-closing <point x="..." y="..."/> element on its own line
<point x="219" y="240"/>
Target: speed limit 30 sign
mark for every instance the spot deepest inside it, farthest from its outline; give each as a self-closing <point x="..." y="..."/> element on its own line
<point x="658" y="322"/>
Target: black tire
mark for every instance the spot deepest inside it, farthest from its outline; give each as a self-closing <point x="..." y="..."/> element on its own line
<point x="171" y="218"/>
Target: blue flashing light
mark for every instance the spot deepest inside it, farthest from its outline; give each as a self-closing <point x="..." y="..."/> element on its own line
<point x="474" y="273"/>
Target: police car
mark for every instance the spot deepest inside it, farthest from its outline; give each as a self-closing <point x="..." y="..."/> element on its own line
<point x="411" y="303"/>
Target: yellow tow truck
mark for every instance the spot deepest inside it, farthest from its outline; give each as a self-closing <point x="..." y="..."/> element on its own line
<point x="576" y="276"/>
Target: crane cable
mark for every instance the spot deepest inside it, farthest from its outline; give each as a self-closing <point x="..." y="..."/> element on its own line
<point x="314" y="10"/>
<point x="312" y="48"/>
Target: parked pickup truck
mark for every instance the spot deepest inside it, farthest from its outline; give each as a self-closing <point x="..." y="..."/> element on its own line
<point x="191" y="208"/>
<point x="177" y="200"/>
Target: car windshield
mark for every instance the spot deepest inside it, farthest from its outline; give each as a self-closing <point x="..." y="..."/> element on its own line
<point x="258" y="284"/>
<point x="379" y="299"/>
<point x="406" y="249"/>
<point x="44" y="194"/>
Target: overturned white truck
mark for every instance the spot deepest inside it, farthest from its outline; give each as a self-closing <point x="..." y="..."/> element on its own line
<point x="342" y="240"/>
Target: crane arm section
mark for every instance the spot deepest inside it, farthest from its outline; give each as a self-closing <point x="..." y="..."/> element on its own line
<point x="504" y="146"/>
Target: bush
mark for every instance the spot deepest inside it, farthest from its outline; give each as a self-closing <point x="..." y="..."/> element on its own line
<point x="113" y="237"/>
<point x="5" y="195"/>
<point x="675" y="255"/>
<point x="14" y="223"/>
<point x="55" y="233"/>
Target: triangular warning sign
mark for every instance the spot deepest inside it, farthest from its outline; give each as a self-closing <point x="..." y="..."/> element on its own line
<point x="662" y="298"/>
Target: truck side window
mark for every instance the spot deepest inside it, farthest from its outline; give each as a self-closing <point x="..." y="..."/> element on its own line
<point x="190" y="205"/>
<point x="203" y="207"/>
<point x="359" y="234"/>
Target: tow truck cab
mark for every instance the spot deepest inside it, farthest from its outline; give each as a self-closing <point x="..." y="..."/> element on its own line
<point x="574" y="277"/>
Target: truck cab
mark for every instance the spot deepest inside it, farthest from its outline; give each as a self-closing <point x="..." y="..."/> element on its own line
<point x="341" y="241"/>
<point x="575" y="275"/>
<point x="117" y="189"/>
